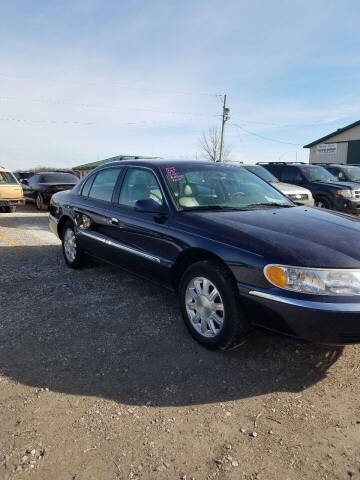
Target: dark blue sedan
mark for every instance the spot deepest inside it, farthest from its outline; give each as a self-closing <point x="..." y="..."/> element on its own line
<point x="236" y="250"/>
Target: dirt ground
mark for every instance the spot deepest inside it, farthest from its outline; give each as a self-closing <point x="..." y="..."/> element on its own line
<point x="99" y="379"/>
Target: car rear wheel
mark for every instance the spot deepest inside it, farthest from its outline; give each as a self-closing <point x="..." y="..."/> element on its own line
<point x="210" y="306"/>
<point x="322" y="202"/>
<point x="39" y="202"/>
<point x="73" y="253"/>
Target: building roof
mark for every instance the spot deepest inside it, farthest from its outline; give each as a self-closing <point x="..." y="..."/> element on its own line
<point x="337" y="132"/>
<point x="92" y="165"/>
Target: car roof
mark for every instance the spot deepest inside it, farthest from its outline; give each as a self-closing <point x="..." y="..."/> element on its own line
<point x="161" y="163"/>
<point x="3" y="169"/>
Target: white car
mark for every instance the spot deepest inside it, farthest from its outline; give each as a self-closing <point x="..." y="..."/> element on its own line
<point x="294" y="192"/>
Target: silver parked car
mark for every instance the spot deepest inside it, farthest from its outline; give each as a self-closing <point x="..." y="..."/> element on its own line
<point x="294" y="192"/>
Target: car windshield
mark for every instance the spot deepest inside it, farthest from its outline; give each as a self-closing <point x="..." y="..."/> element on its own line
<point x="317" y="174"/>
<point x="58" y="178"/>
<point x="262" y="173"/>
<point x="353" y="173"/>
<point x="217" y="187"/>
<point x="7" y="178"/>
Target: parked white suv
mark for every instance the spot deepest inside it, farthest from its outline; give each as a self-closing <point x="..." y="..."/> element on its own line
<point x="294" y="192"/>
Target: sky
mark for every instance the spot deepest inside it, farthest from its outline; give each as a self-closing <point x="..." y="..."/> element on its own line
<point x="84" y="80"/>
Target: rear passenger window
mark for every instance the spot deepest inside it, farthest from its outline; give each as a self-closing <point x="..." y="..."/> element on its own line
<point x="87" y="185"/>
<point x="291" y="175"/>
<point x="104" y="184"/>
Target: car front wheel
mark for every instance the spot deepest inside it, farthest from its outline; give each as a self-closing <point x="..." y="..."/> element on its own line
<point x="322" y="202"/>
<point x="73" y="253"/>
<point x="210" y="306"/>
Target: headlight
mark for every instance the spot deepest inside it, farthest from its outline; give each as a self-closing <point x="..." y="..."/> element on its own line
<point x="345" y="193"/>
<point x="317" y="281"/>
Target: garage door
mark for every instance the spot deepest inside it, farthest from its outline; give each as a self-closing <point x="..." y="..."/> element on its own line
<point x="353" y="155"/>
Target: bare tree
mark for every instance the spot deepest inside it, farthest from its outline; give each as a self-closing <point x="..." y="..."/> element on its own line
<point x="210" y="145"/>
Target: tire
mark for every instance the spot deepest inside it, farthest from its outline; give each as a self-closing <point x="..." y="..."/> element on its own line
<point x="73" y="258"/>
<point x="11" y="209"/>
<point x="323" y="202"/>
<point x="233" y="328"/>
<point x="39" y="202"/>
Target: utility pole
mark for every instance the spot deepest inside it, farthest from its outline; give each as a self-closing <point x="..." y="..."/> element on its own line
<point x="225" y="118"/>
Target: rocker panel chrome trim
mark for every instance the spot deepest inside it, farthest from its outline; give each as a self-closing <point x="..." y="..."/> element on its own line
<point x="119" y="245"/>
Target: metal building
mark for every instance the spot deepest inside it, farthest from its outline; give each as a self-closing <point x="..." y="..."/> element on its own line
<point x="82" y="170"/>
<point x="341" y="146"/>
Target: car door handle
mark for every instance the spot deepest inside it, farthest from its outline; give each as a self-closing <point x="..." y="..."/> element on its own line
<point x="114" y="221"/>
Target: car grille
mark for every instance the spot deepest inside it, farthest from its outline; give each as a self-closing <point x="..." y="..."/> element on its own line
<point x="299" y="196"/>
<point x="357" y="193"/>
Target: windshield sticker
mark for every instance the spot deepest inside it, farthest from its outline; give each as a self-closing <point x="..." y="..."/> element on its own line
<point x="173" y="174"/>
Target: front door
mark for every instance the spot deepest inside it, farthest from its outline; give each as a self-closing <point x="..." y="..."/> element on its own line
<point x="142" y="241"/>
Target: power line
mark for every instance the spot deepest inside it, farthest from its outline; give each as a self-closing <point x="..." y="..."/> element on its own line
<point x="104" y="84"/>
<point x="111" y="107"/>
<point x="265" y="138"/>
<point x="141" y="123"/>
<point x="46" y="122"/>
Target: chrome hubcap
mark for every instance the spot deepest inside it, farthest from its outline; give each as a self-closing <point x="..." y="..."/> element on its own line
<point x="70" y="245"/>
<point x="38" y="202"/>
<point x="319" y="205"/>
<point x="204" y="307"/>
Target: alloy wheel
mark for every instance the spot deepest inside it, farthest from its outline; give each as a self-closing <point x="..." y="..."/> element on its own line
<point x="70" y="247"/>
<point x="204" y="307"/>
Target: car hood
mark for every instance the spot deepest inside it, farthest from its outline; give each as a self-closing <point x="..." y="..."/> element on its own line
<point x="303" y="236"/>
<point x="287" y="188"/>
<point x="338" y="185"/>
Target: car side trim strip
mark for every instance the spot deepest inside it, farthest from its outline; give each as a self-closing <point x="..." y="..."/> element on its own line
<point x="338" y="307"/>
<point x="121" y="246"/>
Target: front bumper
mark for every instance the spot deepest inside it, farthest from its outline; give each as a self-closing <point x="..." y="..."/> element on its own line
<point x="8" y="202"/>
<point x="319" y="319"/>
<point x="53" y="224"/>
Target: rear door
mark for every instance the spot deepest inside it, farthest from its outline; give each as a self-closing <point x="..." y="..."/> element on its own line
<point x="292" y="175"/>
<point x="92" y="211"/>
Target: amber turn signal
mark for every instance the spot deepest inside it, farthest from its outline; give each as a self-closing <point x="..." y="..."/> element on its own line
<point x="276" y="275"/>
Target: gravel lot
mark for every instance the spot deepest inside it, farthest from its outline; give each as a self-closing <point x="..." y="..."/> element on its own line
<point x="99" y="379"/>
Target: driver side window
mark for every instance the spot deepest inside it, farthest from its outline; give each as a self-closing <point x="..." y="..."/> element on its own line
<point x="139" y="184"/>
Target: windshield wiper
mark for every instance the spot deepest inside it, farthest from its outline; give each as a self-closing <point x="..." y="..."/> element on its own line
<point x="211" y="207"/>
<point x="270" y="204"/>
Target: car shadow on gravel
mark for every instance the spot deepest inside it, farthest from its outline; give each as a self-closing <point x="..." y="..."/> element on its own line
<point x="104" y="333"/>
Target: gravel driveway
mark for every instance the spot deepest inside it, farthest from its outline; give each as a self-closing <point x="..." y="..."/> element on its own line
<point x="99" y="379"/>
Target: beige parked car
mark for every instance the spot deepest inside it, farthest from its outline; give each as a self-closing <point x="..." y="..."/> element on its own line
<point x="11" y="193"/>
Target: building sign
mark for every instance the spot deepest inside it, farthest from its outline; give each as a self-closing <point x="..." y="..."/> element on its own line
<point x="327" y="148"/>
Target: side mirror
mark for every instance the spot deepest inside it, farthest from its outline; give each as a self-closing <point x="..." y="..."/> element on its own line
<point x="148" y="205"/>
<point x="24" y="181"/>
